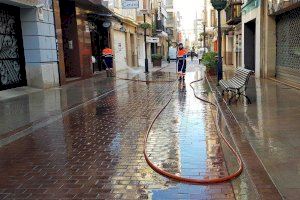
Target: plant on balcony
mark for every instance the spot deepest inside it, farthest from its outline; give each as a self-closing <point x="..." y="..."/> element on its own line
<point x="145" y="25"/>
<point x="210" y="61"/>
<point x="156" y="59"/>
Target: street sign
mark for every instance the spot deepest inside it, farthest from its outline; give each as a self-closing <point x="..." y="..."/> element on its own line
<point x="152" y="39"/>
<point x="130" y="4"/>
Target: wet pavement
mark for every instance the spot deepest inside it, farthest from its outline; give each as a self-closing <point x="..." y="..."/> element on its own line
<point x="22" y="108"/>
<point x="271" y="125"/>
<point x="93" y="149"/>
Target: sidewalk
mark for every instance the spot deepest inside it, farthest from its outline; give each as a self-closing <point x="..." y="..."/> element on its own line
<point x="271" y="125"/>
<point x="24" y="108"/>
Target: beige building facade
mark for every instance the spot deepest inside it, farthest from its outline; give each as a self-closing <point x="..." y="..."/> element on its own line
<point x="124" y="36"/>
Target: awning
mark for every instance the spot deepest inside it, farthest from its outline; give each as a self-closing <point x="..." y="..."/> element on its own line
<point x="23" y="3"/>
<point x="99" y="11"/>
<point x="94" y="5"/>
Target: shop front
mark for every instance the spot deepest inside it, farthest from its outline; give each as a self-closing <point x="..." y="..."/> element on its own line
<point x="84" y="31"/>
<point x="125" y="44"/>
<point x="28" y="52"/>
<point x="288" y="46"/>
<point x="12" y="61"/>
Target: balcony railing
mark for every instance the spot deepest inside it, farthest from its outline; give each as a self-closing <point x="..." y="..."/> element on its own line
<point x="234" y="12"/>
<point x="280" y="6"/>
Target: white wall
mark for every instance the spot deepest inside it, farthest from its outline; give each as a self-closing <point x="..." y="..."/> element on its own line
<point x="253" y="14"/>
<point x="119" y="43"/>
<point x="141" y="51"/>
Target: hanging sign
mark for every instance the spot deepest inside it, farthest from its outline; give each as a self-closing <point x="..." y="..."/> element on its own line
<point x="152" y="39"/>
<point x="130" y="4"/>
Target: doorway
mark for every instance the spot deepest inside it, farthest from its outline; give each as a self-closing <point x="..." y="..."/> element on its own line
<point x="249" y="48"/>
<point x="99" y="40"/>
<point x="70" y="39"/>
<point x="12" y="61"/>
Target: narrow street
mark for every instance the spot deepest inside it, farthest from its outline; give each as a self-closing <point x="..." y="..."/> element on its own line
<point x="95" y="149"/>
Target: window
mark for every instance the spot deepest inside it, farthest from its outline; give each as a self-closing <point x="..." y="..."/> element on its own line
<point x="213" y="18"/>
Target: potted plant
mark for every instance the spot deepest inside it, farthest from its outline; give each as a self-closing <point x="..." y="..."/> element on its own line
<point x="156" y="59"/>
<point x="210" y="61"/>
<point x="145" y="25"/>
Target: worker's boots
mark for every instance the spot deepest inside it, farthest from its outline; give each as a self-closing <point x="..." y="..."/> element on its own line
<point x="111" y="73"/>
<point x="108" y="73"/>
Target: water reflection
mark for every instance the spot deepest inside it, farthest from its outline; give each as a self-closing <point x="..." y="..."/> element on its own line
<point x="96" y="149"/>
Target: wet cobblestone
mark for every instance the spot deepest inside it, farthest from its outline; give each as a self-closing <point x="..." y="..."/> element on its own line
<point x="95" y="151"/>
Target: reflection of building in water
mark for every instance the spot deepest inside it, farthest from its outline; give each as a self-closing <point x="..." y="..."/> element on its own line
<point x="163" y="145"/>
<point x="131" y="168"/>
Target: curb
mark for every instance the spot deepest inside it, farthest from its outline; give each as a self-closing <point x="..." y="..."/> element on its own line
<point x="255" y="172"/>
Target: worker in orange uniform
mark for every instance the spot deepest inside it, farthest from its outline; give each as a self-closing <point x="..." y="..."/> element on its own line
<point x="181" y="61"/>
<point x="107" y="53"/>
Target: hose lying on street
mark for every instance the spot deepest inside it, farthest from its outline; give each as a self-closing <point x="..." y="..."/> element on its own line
<point x="179" y="178"/>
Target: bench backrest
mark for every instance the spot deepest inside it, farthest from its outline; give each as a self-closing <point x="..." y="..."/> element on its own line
<point x="241" y="77"/>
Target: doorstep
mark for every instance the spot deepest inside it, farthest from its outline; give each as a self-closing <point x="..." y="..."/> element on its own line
<point x="17" y="92"/>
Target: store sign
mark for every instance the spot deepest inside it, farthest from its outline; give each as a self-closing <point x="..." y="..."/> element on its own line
<point x="152" y="39"/>
<point x="130" y="4"/>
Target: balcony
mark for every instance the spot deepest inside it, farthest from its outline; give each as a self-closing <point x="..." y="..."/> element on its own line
<point x="277" y="7"/>
<point x="233" y="12"/>
<point x="160" y="26"/>
<point x="170" y="32"/>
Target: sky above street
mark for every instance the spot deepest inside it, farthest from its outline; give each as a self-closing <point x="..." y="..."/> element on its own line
<point x="188" y="9"/>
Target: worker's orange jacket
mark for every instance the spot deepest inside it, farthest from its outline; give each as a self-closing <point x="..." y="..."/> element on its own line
<point x="107" y="52"/>
<point x="181" y="54"/>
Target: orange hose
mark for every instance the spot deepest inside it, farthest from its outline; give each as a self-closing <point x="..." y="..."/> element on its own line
<point x="190" y="180"/>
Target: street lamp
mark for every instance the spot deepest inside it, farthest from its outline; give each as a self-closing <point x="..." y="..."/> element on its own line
<point x="144" y="12"/>
<point x="219" y="5"/>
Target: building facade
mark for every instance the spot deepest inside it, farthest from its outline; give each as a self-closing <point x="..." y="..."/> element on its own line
<point x="281" y="50"/>
<point x="270" y="38"/>
<point x="144" y="8"/>
<point x="172" y="22"/>
<point x="81" y="35"/>
<point x="124" y="36"/>
<point x="210" y="22"/>
<point x="251" y="37"/>
<point x="28" y="51"/>
<point x="233" y="37"/>
<point x="160" y="16"/>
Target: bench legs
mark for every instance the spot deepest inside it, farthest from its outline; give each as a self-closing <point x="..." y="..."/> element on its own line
<point x="238" y="95"/>
<point x="249" y="102"/>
